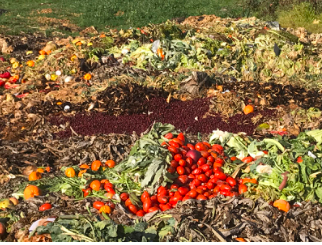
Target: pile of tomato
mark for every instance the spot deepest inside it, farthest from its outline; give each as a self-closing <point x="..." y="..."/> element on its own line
<point x="201" y="178"/>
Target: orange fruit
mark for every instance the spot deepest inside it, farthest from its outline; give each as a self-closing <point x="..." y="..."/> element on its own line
<point x="95" y="185"/>
<point x="40" y="170"/>
<point x="80" y="174"/>
<point x="110" y="163"/>
<point x="96" y="165"/>
<point x="282" y="205"/>
<point x="70" y="172"/>
<point x="42" y="52"/>
<point x="248" y="109"/>
<point x="87" y="76"/>
<point x="31" y="191"/>
<point x="48" y="169"/>
<point x="34" y="176"/>
<point x="30" y="63"/>
<point x="240" y="239"/>
<point x="103" y="181"/>
<point x="84" y="166"/>
<point x="105" y="209"/>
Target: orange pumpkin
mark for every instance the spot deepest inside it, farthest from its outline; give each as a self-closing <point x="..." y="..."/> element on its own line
<point x="34" y="176"/>
<point x="31" y="191"/>
<point x="110" y="163"/>
<point x="95" y="185"/>
<point x="248" y="109"/>
<point x="70" y="172"/>
<point x="87" y="76"/>
<point x="105" y="209"/>
<point x="84" y="166"/>
<point x="80" y="174"/>
<point x="96" y="165"/>
<point x="282" y="205"/>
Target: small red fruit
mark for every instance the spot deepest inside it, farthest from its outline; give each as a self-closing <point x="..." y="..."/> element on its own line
<point x="45" y="206"/>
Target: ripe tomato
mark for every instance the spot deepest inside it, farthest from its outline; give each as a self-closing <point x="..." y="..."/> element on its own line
<point x="140" y="213"/>
<point x="181" y="137"/>
<point x="178" y="141"/>
<point x="209" y="173"/>
<point x="225" y="187"/>
<point x="182" y="163"/>
<point x="210" y="185"/>
<point x="171" y="170"/>
<point x="233" y="158"/>
<point x="194" y="166"/>
<point x="98" y="204"/>
<point x="207" y="144"/>
<point x="205" y="154"/>
<point x="146" y="205"/>
<point x="110" y="163"/>
<point x="192" y="193"/>
<point x="161" y="188"/>
<point x="191" y="146"/>
<point x="217" y="165"/>
<point x="183" y="190"/>
<point x="110" y="190"/>
<point x="188" y="170"/>
<point x="205" y="167"/>
<point x="87" y="191"/>
<point x="174" y="186"/>
<point x="265" y="152"/>
<point x="145" y="195"/>
<point x="173" y="149"/>
<point x="247" y="159"/>
<point x="168" y="136"/>
<point x="186" y="198"/>
<point x="171" y="194"/>
<point x="201" y="161"/>
<point x="206" y="194"/>
<point x="216" y="189"/>
<point x="225" y="192"/>
<point x="201" y="147"/>
<point x="218" y="148"/>
<point x="153" y="209"/>
<point x="201" y="197"/>
<point x="219" y="160"/>
<point x="299" y="159"/>
<point x="124" y="196"/>
<point x="180" y="170"/>
<point x="177" y="157"/>
<point x="45" y="206"/>
<point x="242" y="188"/>
<point x="133" y="208"/>
<point x="211" y="159"/>
<point x="196" y="182"/>
<point x="128" y="202"/>
<point x="220" y="175"/>
<point x="197" y="171"/>
<point x="203" y="178"/>
<point x="163" y="199"/>
<point x="183" y="179"/>
<point x="189" y="161"/>
<point x="191" y="176"/>
<point x="231" y="181"/>
<point x="174" y="144"/>
<point x="165" y="207"/>
<point x="174" y="164"/>
<point x="248" y="180"/>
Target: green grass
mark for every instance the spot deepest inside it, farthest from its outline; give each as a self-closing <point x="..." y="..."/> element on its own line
<point x="102" y="13"/>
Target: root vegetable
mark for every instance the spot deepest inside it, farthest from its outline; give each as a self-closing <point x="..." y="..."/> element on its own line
<point x="284" y="182"/>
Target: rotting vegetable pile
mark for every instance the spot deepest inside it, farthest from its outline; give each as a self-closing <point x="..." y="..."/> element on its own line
<point x="173" y="132"/>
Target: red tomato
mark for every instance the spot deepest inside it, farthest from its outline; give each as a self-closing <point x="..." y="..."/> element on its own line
<point x="168" y="136"/>
<point x="201" y="147"/>
<point x="183" y="179"/>
<point x="217" y="165"/>
<point x="248" y="180"/>
<point x="225" y="187"/>
<point x="181" y="137"/>
<point x="206" y="194"/>
<point x="219" y="160"/>
<point x="211" y="159"/>
<point x="299" y="159"/>
<point x="111" y="204"/>
<point x="205" y="154"/>
<point x="133" y="208"/>
<point x="124" y="196"/>
<point x="203" y="178"/>
<point x="242" y="188"/>
<point x="163" y="199"/>
<point x="110" y="190"/>
<point x="218" y="148"/>
<point x="216" y="189"/>
<point x="171" y="194"/>
<point x="174" y="144"/>
<point x="225" y="192"/>
<point x="174" y="164"/>
<point x="87" y="191"/>
<point x="265" y="152"/>
<point x="178" y="141"/>
<point x="220" y="175"/>
<point x="201" y="161"/>
<point x="174" y="186"/>
<point x="183" y="190"/>
<point x="191" y="146"/>
<point x="201" y="197"/>
<point x="192" y="193"/>
<point x="145" y="195"/>
<point x="171" y="170"/>
<point x="191" y="176"/>
<point x="153" y="209"/>
<point x="194" y="166"/>
<point x="98" y="204"/>
<point x="205" y="168"/>
<point x="189" y="161"/>
<point x="182" y="163"/>
<point x="233" y="158"/>
<point x="247" y="159"/>
<point x="108" y="184"/>
<point x="207" y="144"/>
<point x="173" y="149"/>
<point x="196" y="182"/>
<point x="210" y="185"/>
<point x="180" y="170"/>
<point x="140" y="213"/>
<point x="45" y="206"/>
<point x="128" y="202"/>
<point x="177" y="157"/>
<point x="165" y="207"/>
<point x="231" y="181"/>
<point x="186" y="198"/>
<point x="161" y="188"/>
<point x="197" y="171"/>
<point x="146" y="205"/>
<point x="188" y="170"/>
<point x="209" y="173"/>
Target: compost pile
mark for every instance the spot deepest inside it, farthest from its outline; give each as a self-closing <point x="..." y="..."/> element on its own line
<point x="203" y="130"/>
